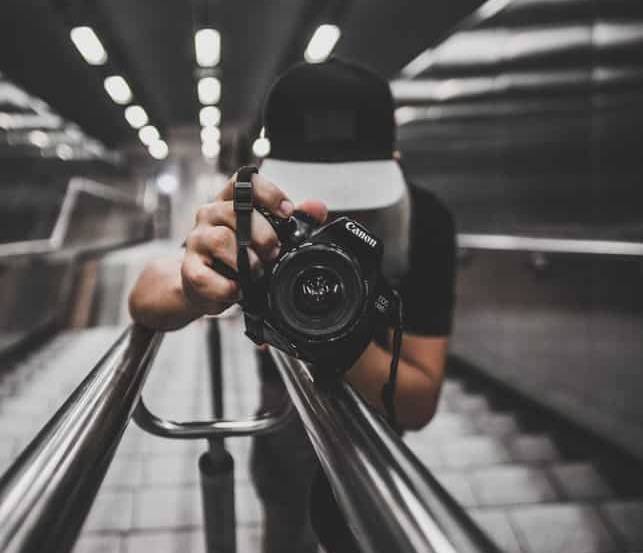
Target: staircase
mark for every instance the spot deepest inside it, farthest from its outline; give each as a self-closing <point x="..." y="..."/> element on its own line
<point x="532" y="486"/>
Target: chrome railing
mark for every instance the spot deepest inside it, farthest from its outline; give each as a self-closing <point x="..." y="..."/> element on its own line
<point x="549" y="245"/>
<point x="390" y="500"/>
<point x="47" y="492"/>
<point x="76" y="188"/>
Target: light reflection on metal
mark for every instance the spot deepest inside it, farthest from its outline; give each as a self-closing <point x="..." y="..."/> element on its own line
<point x="549" y="245"/>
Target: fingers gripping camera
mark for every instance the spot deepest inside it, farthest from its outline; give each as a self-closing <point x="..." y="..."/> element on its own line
<point x="323" y="296"/>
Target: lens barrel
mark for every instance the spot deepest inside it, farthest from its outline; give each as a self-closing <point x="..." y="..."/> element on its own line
<point x="317" y="291"/>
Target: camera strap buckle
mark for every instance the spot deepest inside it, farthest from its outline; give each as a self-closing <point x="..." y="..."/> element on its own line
<point x="243" y="206"/>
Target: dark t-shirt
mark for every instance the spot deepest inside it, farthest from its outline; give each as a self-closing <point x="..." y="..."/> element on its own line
<point x="427" y="289"/>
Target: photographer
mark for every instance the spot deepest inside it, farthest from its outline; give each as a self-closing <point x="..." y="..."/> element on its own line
<point x="332" y="134"/>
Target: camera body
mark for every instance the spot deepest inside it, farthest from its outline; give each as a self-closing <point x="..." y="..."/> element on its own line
<point x="324" y="295"/>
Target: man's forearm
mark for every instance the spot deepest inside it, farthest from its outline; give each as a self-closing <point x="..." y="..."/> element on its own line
<point x="157" y="300"/>
<point x="416" y="393"/>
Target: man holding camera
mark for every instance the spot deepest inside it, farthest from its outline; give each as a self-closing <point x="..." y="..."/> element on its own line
<point x="332" y="133"/>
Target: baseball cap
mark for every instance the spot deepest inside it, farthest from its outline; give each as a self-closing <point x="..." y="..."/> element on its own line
<point x="332" y="133"/>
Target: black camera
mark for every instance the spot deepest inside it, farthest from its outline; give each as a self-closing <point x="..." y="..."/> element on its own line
<point x="324" y="296"/>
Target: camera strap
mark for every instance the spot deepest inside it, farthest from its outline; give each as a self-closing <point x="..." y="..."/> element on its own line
<point x="243" y="206"/>
<point x="388" y="390"/>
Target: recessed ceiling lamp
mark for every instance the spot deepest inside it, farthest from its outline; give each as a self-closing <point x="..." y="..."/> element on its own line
<point x="207" y="45"/>
<point x="261" y="147"/>
<point x="209" y="90"/>
<point x="40" y="139"/>
<point x="159" y="149"/>
<point x="148" y="135"/>
<point x="136" y="116"/>
<point x="118" y="89"/>
<point x="210" y="149"/>
<point x="210" y="134"/>
<point x="210" y="116"/>
<point x="89" y="45"/>
<point x="64" y="151"/>
<point x="322" y="43"/>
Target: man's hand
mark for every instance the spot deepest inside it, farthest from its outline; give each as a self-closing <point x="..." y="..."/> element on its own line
<point x="172" y="292"/>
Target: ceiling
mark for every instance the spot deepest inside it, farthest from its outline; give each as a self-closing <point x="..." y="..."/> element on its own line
<point x="151" y="43"/>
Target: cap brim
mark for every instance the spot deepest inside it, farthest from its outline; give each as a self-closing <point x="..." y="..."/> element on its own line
<point x="345" y="186"/>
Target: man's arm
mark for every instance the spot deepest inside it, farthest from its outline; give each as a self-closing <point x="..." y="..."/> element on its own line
<point x="419" y="378"/>
<point x="157" y="299"/>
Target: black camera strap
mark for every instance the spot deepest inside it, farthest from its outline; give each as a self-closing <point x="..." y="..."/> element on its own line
<point x="243" y="206"/>
<point x="388" y="390"/>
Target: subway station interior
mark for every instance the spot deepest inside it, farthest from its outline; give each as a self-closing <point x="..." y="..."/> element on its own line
<point x="119" y="119"/>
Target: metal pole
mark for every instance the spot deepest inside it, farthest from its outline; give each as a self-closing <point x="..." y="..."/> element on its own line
<point x="216" y="466"/>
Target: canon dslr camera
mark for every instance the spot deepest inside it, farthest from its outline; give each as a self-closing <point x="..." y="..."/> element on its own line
<point x="323" y="297"/>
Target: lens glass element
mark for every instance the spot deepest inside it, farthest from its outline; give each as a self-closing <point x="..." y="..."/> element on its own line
<point x="318" y="290"/>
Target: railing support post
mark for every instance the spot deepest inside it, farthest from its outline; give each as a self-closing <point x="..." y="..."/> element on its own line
<point x="216" y="466"/>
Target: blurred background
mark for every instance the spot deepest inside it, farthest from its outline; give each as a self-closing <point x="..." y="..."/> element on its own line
<point x="119" y="117"/>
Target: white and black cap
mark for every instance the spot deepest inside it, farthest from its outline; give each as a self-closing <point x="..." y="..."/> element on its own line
<point x="332" y="134"/>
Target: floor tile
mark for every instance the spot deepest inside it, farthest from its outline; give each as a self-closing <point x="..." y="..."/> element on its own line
<point x="458" y="485"/>
<point x="112" y="511"/>
<point x="561" y="528"/>
<point x="580" y="481"/>
<point x="473" y="451"/>
<point x="533" y="448"/>
<point x="97" y="543"/>
<point x="168" y="508"/>
<point x="510" y="485"/>
<point x="497" y="526"/>
<point x="165" y="542"/>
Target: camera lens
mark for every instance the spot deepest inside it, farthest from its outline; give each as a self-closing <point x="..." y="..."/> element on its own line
<point x="318" y="290"/>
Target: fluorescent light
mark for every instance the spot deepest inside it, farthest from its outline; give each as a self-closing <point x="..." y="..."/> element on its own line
<point x="209" y="90"/>
<point x="207" y="45"/>
<point x="6" y="121"/>
<point x="322" y="43"/>
<point x="261" y="147"/>
<point x="158" y="149"/>
<point x="89" y="45"/>
<point x="210" y="149"/>
<point x="64" y="151"/>
<point x="40" y="139"/>
<point x="210" y="116"/>
<point x="136" y="116"/>
<point x="148" y="134"/>
<point x="118" y="89"/>
<point x="210" y="134"/>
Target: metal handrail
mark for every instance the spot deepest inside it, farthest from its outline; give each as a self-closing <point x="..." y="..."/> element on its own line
<point x="505" y="242"/>
<point x="48" y="491"/>
<point x="218" y="428"/>
<point x="390" y="500"/>
<point x="56" y="239"/>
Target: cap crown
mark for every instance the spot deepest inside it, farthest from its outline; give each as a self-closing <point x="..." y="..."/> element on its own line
<point x="332" y="111"/>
